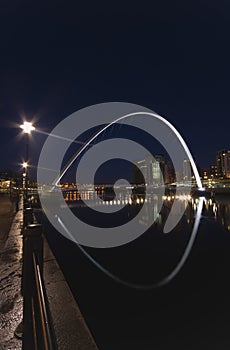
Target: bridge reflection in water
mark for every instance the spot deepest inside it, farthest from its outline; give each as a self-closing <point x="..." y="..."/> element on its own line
<point x="192" y="312"/>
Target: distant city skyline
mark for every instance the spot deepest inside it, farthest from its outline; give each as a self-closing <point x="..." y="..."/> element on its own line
<point x="157" y="171"/>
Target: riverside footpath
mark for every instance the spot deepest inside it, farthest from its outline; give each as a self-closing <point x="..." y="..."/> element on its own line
<point x="11" y="302"/>
<point x="57" y="322"/>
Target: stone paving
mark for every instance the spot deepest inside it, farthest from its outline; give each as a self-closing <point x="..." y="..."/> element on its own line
<point x="11" y="303"/>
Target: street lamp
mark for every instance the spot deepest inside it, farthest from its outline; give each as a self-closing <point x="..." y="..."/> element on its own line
<point x="25" y="165"/>
<point x="27" y="128"/>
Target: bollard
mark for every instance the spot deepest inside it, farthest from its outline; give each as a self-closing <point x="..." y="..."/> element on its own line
<point x="32" y="243"/>
<point x="27" y="217"/>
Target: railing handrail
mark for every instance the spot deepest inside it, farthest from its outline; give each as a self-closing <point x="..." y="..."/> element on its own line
<point x="42" y="304"/>
<point x="38" y="331"/>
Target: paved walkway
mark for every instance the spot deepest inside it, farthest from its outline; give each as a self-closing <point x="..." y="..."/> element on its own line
<point x="7" y="213"/>
<point x="11" y="306"/>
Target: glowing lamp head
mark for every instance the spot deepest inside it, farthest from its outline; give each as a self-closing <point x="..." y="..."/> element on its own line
<point x="25" y="165"/>
<point x="27" y="127"/>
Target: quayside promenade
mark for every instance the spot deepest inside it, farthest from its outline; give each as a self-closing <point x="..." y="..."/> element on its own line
<point x="35" y="313"/>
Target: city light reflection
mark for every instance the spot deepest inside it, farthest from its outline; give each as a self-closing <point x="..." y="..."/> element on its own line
<point x="220" y="211"/>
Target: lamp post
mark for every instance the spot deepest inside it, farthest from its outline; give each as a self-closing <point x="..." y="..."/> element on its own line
<point x="27" y="128"/>
<point x="25" y="166"/>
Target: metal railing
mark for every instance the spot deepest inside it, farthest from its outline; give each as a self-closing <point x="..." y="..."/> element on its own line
<point x="38" y="330"/>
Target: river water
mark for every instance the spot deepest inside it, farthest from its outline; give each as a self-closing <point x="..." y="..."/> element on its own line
<point x="191" y="312"/>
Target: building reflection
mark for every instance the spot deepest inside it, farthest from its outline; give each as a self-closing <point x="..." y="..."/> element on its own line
<point x="221" y="210"/>
<point x="217" y="208"/>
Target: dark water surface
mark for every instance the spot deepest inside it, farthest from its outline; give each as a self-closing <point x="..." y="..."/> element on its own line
<point x="192" y="312"/>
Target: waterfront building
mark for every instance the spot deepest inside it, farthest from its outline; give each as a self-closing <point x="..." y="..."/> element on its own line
<point x="187" y="175"/>
<point x="223" y="164"/>
<point x="155" y="171"/>
<point x="213" y="171"/>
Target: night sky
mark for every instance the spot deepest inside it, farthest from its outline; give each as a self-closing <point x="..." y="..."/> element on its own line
<point x="57" y="57"/>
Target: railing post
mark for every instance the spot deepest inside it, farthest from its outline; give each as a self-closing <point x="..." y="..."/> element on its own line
<point x="27" y="217"/>
<point x="32" y="242"/>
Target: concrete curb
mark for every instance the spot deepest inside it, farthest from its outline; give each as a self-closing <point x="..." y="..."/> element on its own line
<point x="69" y="326"/>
